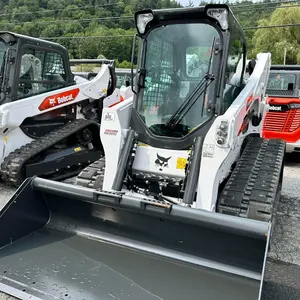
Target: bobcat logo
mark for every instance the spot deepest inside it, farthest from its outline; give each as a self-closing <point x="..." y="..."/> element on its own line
<point x="109" y="117"/>
<point x="162" y="162"/>
<point x="52" y="101"/>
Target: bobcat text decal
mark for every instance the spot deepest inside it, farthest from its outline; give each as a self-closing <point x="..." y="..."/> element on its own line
<point x="162" y="162"/>
<point x="59" y="99"/>
<point x="275" y="108"/>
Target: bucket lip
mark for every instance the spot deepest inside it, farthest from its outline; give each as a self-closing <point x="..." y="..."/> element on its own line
<point x="264" y="263"/>
<point x="15" y="292"/>
<point x="220" y="222"/>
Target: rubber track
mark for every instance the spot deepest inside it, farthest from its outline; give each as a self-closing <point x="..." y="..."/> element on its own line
<point x="13" y="163"/>
<point x="93" y="175"/>
<point x="255" y="183"/>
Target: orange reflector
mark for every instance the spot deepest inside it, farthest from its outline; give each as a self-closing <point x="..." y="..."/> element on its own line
<point x="121" y="100"/>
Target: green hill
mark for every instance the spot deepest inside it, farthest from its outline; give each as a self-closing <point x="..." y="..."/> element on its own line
<point x="105" y="27"/>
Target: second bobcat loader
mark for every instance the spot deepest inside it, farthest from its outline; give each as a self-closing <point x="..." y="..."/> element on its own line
<point x="282" y="120"/>
<point x="182" y="207"/>
<point x="40" y="100"/>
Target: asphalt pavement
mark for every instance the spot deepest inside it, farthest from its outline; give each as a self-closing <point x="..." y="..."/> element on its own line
<point x="283" y="267"/>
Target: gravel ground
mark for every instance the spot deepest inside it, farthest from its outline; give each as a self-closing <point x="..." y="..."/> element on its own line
<point x="283" y="267"/>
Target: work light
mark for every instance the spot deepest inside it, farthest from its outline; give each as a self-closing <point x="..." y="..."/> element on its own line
<point x="142" y="20"/>
<point x="219" y="14"/>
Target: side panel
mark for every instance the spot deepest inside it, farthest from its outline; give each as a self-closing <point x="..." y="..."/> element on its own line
<point x="217" y="159"/>
<point x="114" y="128"/>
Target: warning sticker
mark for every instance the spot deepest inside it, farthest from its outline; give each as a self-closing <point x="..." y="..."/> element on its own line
<point x="208" y="150"/>
<point x="181" y="163"/>
<point x="110" y="132"/>
<point x="109" y="116"/>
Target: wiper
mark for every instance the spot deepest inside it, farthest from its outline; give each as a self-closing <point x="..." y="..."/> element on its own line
<point x="184" y="108"/>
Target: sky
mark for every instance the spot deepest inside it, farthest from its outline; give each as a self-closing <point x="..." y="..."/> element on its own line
<point x="185" y="2"/>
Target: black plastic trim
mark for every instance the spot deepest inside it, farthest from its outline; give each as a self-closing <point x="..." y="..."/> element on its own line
<point x="145" y="136"/>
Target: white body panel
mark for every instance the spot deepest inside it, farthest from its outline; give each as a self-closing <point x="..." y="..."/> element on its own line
<point x="216" y="161"/>
<point x="114" y="128"/>
<point x="126" y="92"/>
<point x="160" y="162"/>
<point x="11" y="141"/>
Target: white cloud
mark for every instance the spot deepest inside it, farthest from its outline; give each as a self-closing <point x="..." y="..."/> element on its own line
<point x="186" y="2"/>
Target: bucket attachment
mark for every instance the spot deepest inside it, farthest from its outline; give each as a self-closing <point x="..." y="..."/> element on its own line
<point x="59" y="241"/>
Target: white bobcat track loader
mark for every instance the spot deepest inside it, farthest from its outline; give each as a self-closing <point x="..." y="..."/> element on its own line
<point x="41" y="132"/>
<point x="182" y="202"/>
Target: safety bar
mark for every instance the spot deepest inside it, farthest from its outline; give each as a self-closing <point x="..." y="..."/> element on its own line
<point x="74" y="62"/>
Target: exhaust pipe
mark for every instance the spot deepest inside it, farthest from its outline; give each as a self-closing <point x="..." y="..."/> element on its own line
<point x="64" y="241"/>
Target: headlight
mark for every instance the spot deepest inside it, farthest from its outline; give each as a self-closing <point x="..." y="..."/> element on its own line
<point x="222" y="133"/>
<point x="219" y="14"/>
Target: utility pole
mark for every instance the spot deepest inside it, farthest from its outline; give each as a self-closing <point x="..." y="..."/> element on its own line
<point x="284" y="56"/>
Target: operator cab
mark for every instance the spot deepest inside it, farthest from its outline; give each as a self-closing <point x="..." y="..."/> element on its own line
<point x="30" y="66"/>
<point x="187" y="72"/>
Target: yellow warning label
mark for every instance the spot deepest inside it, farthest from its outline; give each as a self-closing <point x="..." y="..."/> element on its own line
<point x="5" y="139"/>
<point x="181" y="163"/>
<point x="77" y="149"/>
<point x="142" y="144"/>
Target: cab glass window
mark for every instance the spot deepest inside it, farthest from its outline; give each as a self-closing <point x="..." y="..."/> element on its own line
<point x="197" y="60"/>
<point x="40" y="71"/>
<point x="281" y="81"/>
<point x="176" y="60"/>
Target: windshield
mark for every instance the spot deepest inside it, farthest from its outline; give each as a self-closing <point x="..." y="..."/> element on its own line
<point x="177" y="58"/>
<point x="281" y="81"/>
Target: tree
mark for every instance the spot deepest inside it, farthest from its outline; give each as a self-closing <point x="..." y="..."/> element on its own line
<point x="279" y="40"/>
